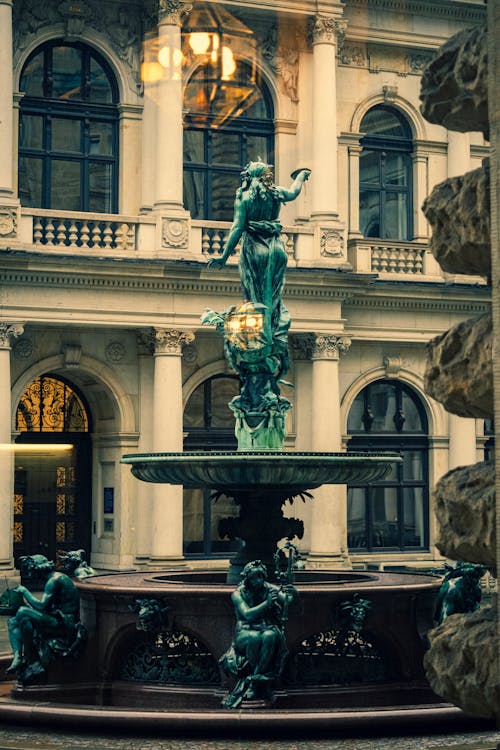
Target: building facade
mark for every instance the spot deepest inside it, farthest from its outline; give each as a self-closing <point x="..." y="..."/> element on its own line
<point x="124" y="127"/>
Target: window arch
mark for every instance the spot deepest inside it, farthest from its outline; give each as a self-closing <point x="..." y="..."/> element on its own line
<point x="209" y="425"/>
<point x="50" y="404"/>
<point x="227" y="124"/>
<point x="385" y="169"/>
<point x="391" y="514"/>
<point x="68" y="130"/>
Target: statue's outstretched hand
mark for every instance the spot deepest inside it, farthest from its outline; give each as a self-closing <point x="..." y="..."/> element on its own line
<point x="216" y="263"/>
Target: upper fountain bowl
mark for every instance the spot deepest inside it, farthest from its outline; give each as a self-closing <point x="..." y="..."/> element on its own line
<point x="246" y="470"/>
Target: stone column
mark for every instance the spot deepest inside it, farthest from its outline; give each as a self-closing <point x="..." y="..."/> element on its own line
<point x="144" y="490"/>
<point x="166" y="521"/>
<point x="8" y="331"/>
<point x="169" y="132"/>
<point x="329" y="516"/>
<point x="6" y="101"/>
<point x="324" y="187"/>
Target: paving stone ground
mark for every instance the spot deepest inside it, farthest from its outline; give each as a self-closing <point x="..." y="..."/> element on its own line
<point x="12" y="738"/>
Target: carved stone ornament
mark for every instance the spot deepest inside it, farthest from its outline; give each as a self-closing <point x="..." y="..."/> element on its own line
<point x="355" y="56"/>
<point x="171" y="341"/>
<point x="326" y="30"/>
<point x="174" y="233"/>
<point x="120" y="25"/>
<point x="9" y="331"/>
<point x="190" y="354"/>
<point x="115" y="351"/>
<point x="145" y="341"/>
<point x="23" y="349"/>
<point x="8" y="221"/>
<point x="389" y="93"/>
<point x="392" y="366"/>
<point x="72" y="355"/>
<point x="418" y="61"/>
<point x="284" y="60"/>
<point x="171" y="11"/>
<point x="332" y="243"/>
<point x="330" y="347"/>
<point x="302" y="346"/>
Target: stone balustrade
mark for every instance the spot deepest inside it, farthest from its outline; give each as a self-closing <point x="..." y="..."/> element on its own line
<point x="406" y="258"/>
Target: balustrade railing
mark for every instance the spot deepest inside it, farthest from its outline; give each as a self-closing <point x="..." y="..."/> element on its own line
<point x="214" y="235"/>
<point x="69" y="230"/>
<point x="408" y="258"/>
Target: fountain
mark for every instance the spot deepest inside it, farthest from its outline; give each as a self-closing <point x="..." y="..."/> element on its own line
<point x="351" y="644"/>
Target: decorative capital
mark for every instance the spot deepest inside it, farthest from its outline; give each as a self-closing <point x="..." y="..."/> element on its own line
<point x="170" y="12"/>
<point x="302" y="346"/>
<point x="9" y="331"/>
<point x="330" y="347"/>
<point x="171" y="341"/>
<point x="326" y="30"/>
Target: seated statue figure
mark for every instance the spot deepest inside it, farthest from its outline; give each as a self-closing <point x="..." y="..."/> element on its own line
<point x="74" y="564"/>
<point x="258" y="652"/>
<point x="46" y="627"/>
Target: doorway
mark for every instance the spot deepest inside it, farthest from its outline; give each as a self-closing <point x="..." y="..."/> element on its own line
<point x="52" y="470"/>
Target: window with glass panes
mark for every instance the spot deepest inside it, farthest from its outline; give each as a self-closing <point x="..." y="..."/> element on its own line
<point x="385" y="167"/>
<point x="227" y="124"/>
<point x="209" y="426"/>
<point x="391" y="514"/>
<point x="68" y="130"/>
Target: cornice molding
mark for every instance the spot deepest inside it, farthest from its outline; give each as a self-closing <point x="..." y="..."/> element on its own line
<point x="426" y="304"/>
<point x="466" y="11"/>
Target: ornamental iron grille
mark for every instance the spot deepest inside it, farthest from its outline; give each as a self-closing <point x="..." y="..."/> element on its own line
<point x="338" y="657"/>
<point x="170" y="658"/>
<point x="51" y="405"/>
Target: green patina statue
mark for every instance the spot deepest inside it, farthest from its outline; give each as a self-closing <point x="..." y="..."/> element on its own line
<point x="46" y="627"/>
<point x="258" y="652"/>
<point x="256" y="334"/>
<point x="460" y="590"/>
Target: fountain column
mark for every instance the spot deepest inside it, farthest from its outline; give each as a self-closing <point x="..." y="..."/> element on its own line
<point x="329" y="514"/>
<point x="8" y="331"/>
<point x="166" y="520"/>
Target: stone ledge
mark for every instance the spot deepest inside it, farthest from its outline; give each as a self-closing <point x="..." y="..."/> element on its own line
<point x="465" y="506"/>
<point x="459" y="371"/>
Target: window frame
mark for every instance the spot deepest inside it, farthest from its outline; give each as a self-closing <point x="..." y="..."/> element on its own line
<point x="360" y="440"/>
<point x="82" y="110"/>
<point x="382" y="145"/>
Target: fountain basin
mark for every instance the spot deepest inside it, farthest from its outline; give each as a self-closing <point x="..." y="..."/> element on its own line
<point x="226" y="470"/>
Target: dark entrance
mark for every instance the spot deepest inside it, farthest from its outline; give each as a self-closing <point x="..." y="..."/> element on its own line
<point x="52" y="479"/>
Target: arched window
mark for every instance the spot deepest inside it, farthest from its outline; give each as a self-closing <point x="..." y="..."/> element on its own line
<point x="385" y="198"/>
<point x="228" y="123"/>
<point x="68" y="130"/>
<point x="209" y="425"/>
<point x="53" y="472"/>
<point x="392" y="513"/>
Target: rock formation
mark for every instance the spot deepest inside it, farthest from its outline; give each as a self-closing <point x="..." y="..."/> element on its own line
<point x="462" y="662"/>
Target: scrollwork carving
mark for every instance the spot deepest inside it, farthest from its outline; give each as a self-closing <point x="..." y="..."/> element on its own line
<point x="171" y="341"/>
<point x="332" y="243"/>
<point x="174" y="233"/>
<point x="330" y="346"/>
<point x="9" y="331"/>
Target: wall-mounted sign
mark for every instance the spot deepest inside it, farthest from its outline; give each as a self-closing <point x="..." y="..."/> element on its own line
<point x="109" y="500"/>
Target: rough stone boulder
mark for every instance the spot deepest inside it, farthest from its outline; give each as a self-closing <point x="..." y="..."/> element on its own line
<point x="459" y="370"/>
<point x="462" y="662"/>
<point x="464" y="502"/>
<point x="458" y="211"/>
<point x="454" y="89"/>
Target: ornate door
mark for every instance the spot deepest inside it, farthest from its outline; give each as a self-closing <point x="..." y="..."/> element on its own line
<point x="52" y="487"/>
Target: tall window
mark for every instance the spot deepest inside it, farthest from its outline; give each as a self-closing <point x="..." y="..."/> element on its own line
<point x="385" y="197"/>
<point x="68" y="130"/>
<point x="392" y="513"/>
<point x="228" y="123"/>
<point x="209" y="425"/>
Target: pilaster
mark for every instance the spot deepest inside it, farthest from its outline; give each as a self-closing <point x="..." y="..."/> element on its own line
<point x="8" y="332"/>
<point x="329" y="519"/>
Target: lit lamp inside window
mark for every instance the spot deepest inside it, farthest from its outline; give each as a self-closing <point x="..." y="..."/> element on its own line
<point x="244" y="326"/>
